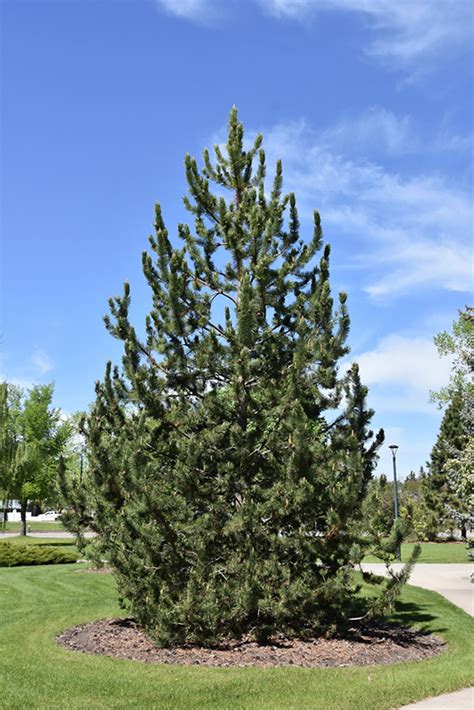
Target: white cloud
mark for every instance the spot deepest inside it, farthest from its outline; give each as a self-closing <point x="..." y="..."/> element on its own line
<point x="197" y="10"/>
<point x="378" y="130"/>
<point x="406" y="30"/>
<point x="42" y="362"/>
<point x="407" y="231"/>
<point x="411" y="363"/>
<point x="447" y="263"/>
<point x="375" y="129"/>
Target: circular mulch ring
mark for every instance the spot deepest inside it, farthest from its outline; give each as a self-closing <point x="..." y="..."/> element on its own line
<point x="375" y="644"/>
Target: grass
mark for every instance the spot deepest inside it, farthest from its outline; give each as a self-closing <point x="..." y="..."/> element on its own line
<point x="37" y="603"/>
<point x="439" y="552"/>
<point x="38" y="526"/>
<point x="27" y="540"/>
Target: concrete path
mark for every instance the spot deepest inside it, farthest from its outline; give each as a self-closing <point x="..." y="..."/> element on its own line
<point x="461" y="700"/>
<point x="453" y="581"/>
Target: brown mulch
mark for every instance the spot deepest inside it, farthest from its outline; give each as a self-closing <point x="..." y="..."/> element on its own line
<point x="375" y="644"/>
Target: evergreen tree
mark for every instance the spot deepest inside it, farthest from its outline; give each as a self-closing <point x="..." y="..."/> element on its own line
<point x="456" y="430"/>
<point x="459" y="450"/>
<point x="229" y="456"/>
<point x="452" y="439"/>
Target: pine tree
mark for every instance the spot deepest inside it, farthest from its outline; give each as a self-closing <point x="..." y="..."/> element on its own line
<point x="451" y="476"/>
<point x="452" y="439"/>
<point x="229" y="456"/>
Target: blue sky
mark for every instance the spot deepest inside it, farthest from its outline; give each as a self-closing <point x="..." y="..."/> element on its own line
<point x="368" y="103"/>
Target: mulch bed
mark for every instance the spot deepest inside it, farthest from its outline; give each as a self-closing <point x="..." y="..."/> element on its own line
<point x="374" y="644"/>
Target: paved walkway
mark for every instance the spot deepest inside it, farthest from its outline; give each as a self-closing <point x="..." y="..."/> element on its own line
<point x="461" y="700"/>
<point x="453" y="581"/>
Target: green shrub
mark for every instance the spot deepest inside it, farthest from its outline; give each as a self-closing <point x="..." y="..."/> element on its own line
<point x="18" y="555"/>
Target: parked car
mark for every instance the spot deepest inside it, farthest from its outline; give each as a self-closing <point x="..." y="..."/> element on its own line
<point x="50" y="515"/>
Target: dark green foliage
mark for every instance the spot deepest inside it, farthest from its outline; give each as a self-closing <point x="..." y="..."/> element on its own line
<point x="13" y="555"/>
<point x="452" y="439"/>
<point x="397" y="579"/>
<point x="451" y="483"/>
<point x="229" y="457"/>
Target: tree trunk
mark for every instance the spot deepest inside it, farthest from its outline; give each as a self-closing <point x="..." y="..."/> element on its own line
<point x="463" y="532"/>
<point x="23" y="504"/>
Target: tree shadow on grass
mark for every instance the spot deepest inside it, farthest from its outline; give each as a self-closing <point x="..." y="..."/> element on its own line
<point x="410" y="614"/>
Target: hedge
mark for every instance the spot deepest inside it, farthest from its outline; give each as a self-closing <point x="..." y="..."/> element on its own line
<point x="18" y="555"/>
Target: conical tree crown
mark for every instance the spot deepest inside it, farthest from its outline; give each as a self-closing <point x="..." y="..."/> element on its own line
<point x="229" y="454"/>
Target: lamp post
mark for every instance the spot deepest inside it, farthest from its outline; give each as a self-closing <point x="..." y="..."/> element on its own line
<point x="394" y="448"/>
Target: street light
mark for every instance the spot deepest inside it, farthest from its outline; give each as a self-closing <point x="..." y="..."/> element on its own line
<point x="394" y="448"/>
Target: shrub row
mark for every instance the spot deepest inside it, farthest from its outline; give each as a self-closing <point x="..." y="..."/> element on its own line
<point x="18" y="555"/>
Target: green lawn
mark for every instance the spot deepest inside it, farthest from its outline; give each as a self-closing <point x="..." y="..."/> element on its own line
<point x="441" y="552"/>
<point x="37" y="603"/>
<point x="38" y="526"/>
<point x="66" y="542"/>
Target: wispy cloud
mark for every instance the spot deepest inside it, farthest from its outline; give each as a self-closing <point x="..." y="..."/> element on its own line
<point x="376" y="129"/>
<point x="404" y="30"/>
<point x="196" y="10"/>
<point x="41" y="362"/>
<point x="380" y="131"/>
<point x="411" y="230"/>
<point x="400" y="372"/>
<point x="406" y="362"/>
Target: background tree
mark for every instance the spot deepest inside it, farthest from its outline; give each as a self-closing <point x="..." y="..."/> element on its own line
<point x="459" y="346"/>
<point x="419" y="522"/>
<point x="74" y="462"/>
<point x="440" y="497"/>
<point x="74" y="491"/>
<point x="10" y="397"/>
<point x="450" y="455"/>
<point x="40" y="437"/>
<point x="229" y="457"/>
